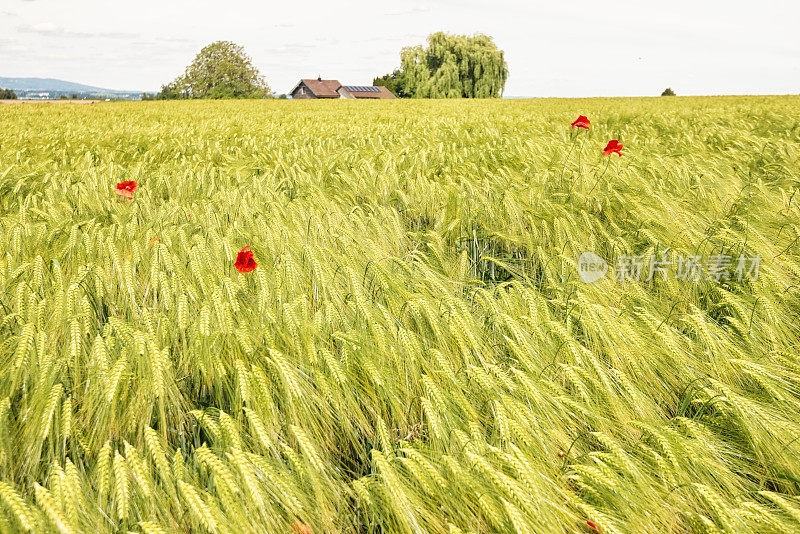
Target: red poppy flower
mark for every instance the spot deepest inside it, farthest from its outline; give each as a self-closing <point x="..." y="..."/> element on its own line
<point x="127" y="188"/>
<point x="244" y="260"/>
<point x="613" y="146"/>
<point x="593" y="526"/>
<point x="581" y="122"/>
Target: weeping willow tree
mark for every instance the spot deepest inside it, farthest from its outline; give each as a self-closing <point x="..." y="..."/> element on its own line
<point x="454" y="66"/>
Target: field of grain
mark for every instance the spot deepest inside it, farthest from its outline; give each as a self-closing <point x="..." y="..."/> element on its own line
<point x="415" y="351"/>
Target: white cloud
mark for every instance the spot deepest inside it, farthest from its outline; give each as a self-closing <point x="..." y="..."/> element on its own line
<point x="50" y="29"/>
<point x="9" y="45"/>
<point x="413" y="10"/>
<point x="42" y="27"/>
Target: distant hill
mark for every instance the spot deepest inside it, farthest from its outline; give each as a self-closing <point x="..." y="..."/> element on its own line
<point x="52" y="88"/>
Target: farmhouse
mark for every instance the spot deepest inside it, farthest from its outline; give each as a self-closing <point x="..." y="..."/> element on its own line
<point x="319" y="88"/>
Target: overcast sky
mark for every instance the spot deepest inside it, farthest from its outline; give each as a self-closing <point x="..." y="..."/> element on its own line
<point x="554" y="48"/>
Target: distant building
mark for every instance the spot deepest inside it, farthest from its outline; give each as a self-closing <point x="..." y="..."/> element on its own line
<point x="319" y="88"/>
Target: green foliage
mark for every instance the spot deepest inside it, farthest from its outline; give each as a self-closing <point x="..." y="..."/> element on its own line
<point x="7" y="94"/>
<point x="394" y="82"/>
<point x="170" y="91"/>
<point x="668" y="92"/>
<point x="414" y="352"/>
<point x="453" y="66"/>
<point x="220" y="70"/>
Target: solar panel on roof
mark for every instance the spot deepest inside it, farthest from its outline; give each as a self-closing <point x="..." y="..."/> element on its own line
<point x="361" y="88"/>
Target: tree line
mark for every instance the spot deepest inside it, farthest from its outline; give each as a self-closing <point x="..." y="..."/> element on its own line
<point x="7" y="94"/>
<point x="450" y="66"/>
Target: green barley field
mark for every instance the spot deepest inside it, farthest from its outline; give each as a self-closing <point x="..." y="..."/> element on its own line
<point x="416" y="351"/>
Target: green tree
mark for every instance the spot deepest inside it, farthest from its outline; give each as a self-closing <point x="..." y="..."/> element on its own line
<point x="454" y="66"/>
<point x="220" y="70"/>
<point x="171" y="91"/>
<point x="393" y="82"/>
<point x="668" y="92"/>
<point x="7" y="94"/>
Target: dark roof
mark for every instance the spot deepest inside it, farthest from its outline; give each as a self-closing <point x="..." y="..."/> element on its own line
<point x="322" y="88"/>
<point x="369" y="91"/>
